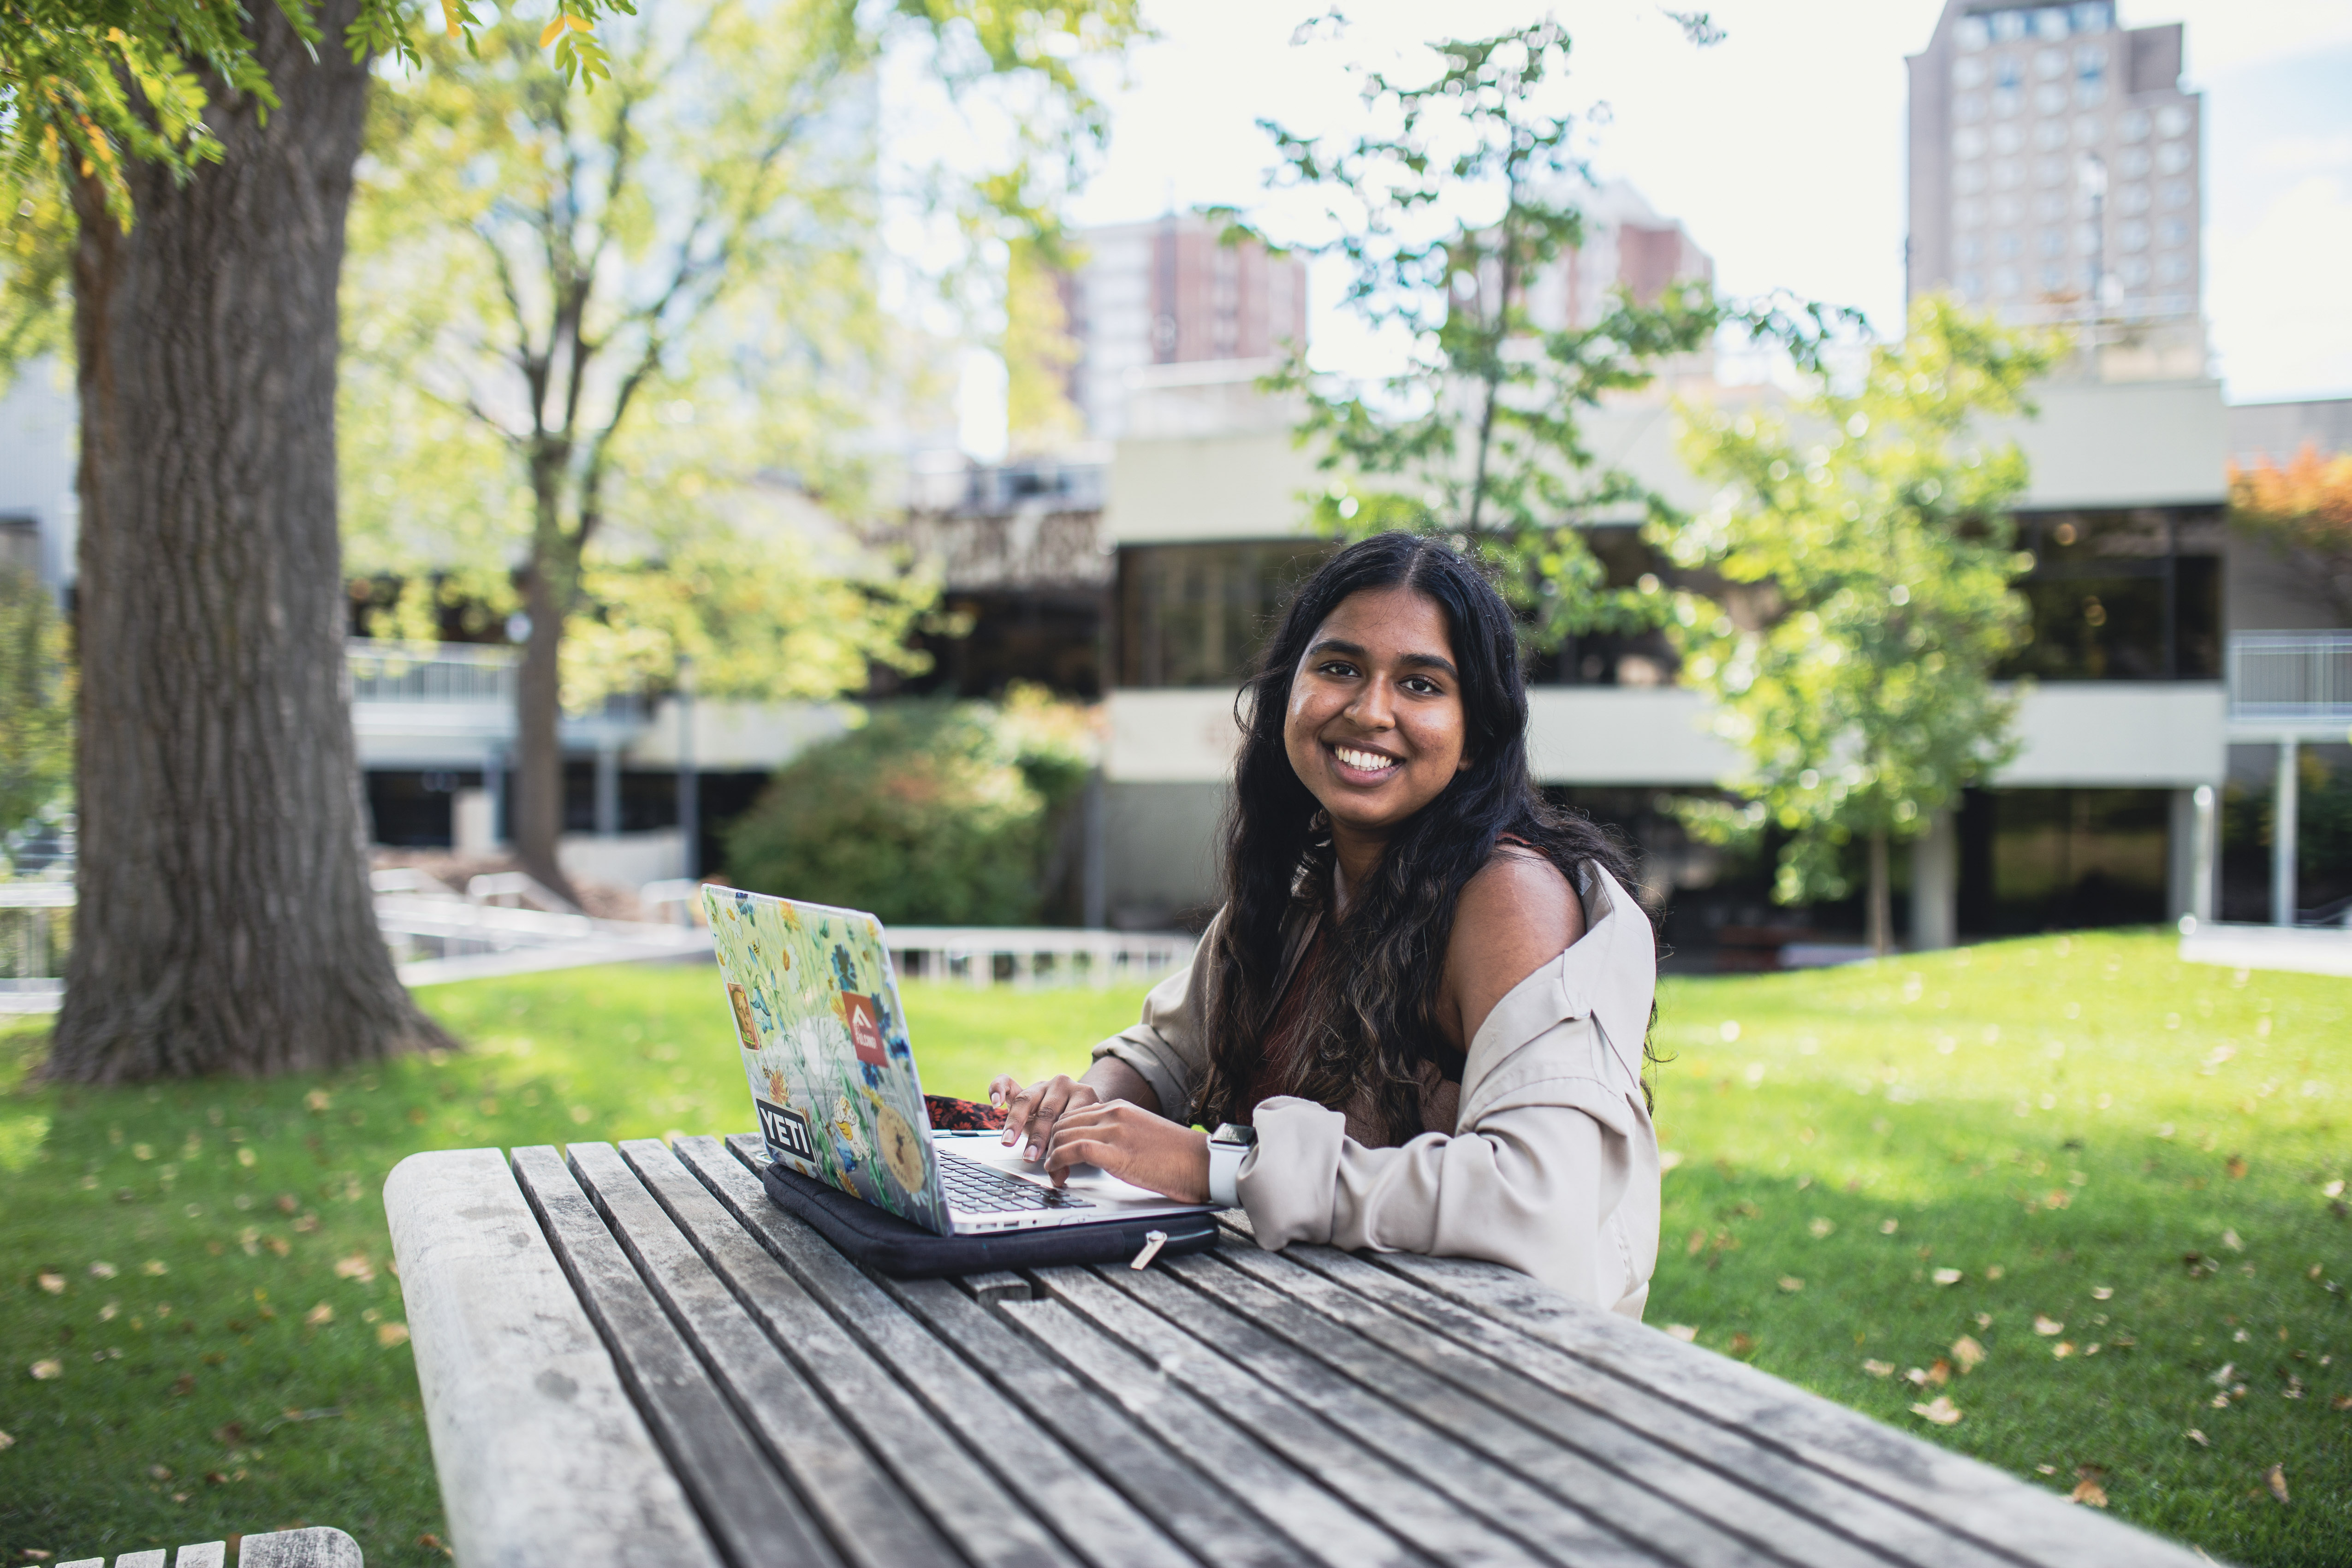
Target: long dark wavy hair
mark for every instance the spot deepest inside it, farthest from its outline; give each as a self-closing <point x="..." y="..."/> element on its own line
<point x="1373" y="1023"/>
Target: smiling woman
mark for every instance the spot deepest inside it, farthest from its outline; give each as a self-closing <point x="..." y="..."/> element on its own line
<point x="1422" y="1013"/>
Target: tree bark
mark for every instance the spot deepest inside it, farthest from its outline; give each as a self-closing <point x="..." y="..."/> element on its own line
<point x="1881" y="895"/>
<point x="539" y="744"/>
<point x="225" y="923"/>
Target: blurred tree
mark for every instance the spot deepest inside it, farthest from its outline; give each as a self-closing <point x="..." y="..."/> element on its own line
<point x="613" y="325"/>
<point x="927" y="813"/>
<point x="1038" y="350"/>
<point x="2303" y="511"/>
<point x="1446" y="216"/>
<point x="1865" y="548"/>
<point x="36" y="702"/>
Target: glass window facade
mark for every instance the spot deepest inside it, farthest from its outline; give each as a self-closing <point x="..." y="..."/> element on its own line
<point x="1197" y="614"/>
<point x="2122" y="596"/>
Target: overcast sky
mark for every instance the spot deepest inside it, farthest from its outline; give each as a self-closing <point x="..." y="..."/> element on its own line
<point x="1781" y="148"/>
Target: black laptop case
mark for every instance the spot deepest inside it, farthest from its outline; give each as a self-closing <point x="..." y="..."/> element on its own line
<point x="905" y="1250"/>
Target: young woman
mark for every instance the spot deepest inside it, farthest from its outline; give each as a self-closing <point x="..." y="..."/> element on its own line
<point x="1427" y="992"/>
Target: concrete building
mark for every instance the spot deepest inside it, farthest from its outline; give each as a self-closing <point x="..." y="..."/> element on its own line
<point x="2136" y="597"/>
<point x="1167" y="292"/>
<point x="2055" y="172"/>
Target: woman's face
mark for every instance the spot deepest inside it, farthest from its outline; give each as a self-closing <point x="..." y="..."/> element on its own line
<point x="1375" y="727"/>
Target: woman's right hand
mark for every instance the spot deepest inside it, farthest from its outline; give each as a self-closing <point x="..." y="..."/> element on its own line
<point x="1030" y="1114"/>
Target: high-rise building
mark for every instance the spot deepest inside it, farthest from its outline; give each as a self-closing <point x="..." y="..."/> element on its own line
<point x="2055" y="176"/>
<point x="1167" y="292"/>
<point x="1626" y="246"/>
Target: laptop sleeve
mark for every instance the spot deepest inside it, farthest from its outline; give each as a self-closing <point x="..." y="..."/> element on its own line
<point x="869" y="1235"/>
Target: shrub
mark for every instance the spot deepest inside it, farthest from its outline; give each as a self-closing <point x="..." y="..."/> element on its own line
<point x="928" y="813"/>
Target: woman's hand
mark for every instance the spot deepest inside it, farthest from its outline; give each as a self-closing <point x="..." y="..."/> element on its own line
<point x="1030" y="1114"/>
<point x="1134" y="1145"/>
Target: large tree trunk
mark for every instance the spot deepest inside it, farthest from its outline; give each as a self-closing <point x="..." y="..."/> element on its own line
<point x="225" y="921"/>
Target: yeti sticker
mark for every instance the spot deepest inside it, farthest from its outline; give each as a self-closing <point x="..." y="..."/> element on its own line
<point x="787" y="1133"/>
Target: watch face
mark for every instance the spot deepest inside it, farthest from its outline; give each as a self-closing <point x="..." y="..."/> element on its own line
<point x="1235" y="1132"/>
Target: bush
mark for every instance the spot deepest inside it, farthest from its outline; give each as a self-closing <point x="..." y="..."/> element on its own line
<point x="930" y="813"/>
<point x="35" y="702"/>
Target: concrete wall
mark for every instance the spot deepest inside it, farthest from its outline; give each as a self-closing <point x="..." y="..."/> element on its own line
<point x="1160" y="849"/>
<point x="37" y="462"/>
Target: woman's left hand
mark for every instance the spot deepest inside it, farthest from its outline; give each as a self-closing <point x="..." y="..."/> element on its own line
<point x="1134" y="1145"/>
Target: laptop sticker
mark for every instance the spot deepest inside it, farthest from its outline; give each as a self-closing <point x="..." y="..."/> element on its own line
<point x="825" y="1053"/>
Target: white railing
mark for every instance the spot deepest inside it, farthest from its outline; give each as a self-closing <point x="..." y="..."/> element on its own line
<point x="2293" y="678"/>
<point x="1033" y="956"/>
<point x="431" y="672"/>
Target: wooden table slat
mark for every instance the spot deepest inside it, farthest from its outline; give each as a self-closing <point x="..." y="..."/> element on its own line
<point x="1794" y="1510"/>
<point x="1651" y="1510"/>
<point x="868" y="1517"/>
<point x="1959" y="1494"/>
<point x="1341" y="1454"/>
<point x="1036" y="1486"/>
<point x="755" y="1518"/>
<point x="1324" y="1527"/>
<point x="567" y="1473"/>
<point x="1190" y="1506"/>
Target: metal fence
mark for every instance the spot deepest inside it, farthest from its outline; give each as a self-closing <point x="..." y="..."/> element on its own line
<point x="1038" y="956"/>
<point x="2292" y="678"/>
<point x="431" y="672"/>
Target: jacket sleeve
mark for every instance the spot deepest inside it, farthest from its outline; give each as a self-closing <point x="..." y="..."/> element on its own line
<point x="1168" y="1044"/>
<point x="1551" y="1169"/>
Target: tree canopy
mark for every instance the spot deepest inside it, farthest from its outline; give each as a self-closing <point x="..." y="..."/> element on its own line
<point x="1864" y="550"/>
<point x="2304" y="510"/>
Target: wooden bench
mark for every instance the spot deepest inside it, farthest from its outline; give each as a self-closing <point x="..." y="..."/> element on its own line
<point x="316" y="1547"/>
<point x="629" y="1355"/>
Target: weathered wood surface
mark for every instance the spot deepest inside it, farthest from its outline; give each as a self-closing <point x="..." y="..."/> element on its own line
<point x="737" y="1381"/>
<point x="317" y="1546"/>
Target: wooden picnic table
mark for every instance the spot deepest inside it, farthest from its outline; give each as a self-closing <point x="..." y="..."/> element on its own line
<point x="629" y="1355"/>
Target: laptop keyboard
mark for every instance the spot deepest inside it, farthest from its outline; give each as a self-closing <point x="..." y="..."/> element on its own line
<point x="976" y="1188"/>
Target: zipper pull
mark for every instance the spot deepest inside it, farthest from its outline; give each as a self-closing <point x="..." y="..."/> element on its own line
<point x="1153" y="1240"/>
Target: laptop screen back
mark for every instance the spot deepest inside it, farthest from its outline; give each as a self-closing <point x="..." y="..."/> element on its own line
<point x="823" y="1040"/>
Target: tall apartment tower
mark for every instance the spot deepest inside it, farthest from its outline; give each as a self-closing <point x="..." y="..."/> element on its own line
<point x="1626" y="246"/>
<point x="2055" y="178"/>
<point x="1166" y="292"/>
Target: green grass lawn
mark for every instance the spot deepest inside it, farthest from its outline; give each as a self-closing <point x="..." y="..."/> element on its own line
<point x="202" y="1269"/>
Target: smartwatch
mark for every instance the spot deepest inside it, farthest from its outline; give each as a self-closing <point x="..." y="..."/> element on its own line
<point x="1228" y="1145"/>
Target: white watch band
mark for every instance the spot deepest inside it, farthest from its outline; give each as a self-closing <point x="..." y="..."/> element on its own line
<point x="1224" y="1172"/>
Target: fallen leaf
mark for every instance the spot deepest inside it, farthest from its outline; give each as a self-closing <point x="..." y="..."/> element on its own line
<point x="101" y="1270"/>
<point x="1682" y="1332"/>
<point x="1941" y="1373"/>
<point x="1879" y="1368"/>
<point x="1940" y="1410"/>
<point x="2063" y="1349"/>
<point x="2221" y="1402"/>
<point x="2222" y="1378"/>
<point x="6" y="1442"/>
<point x="2094" y="1348"/>
<point x="355" y="1266"/>
<point x="186" y="1384"/>
<point x="2236" y="1167"/>
<point x="288" y="1202"/>
<point x="1790" y="1283"/>
<point x="2045" y="1470"/>
<point x="278" y="1244"/>
<point x="322" y="1313"/>
<point x="2229" y="1239"/>
<point x="2200" y="1438"/>
<point x="158" y="1473"/>
<point x="229" y="1435"/>
<point x="317" y="1099"/>
<point x="2103" y="1292"/>
<point x="1969" y="1355"/>
<point x="215" y="1479"/>
<point x="1822" y="1228"/>
<point x="1667" y="1158"/>
<point x="1947" y="1277"/>
<point x="1888" y="1227"/>
<point x="2089" y="1493"/>
<point x="1742" y="1342"/>
<point x="1697" y="1240"/>
<point x="2276" y="1480"/>
<point x="2334" y="1189"/>
<point x="391" y="1335"/>
<point x="1916" y="1377"/>
<point x="52" y="1282"/>
<point x="2056" y="1198"/>
<point x="2047" y="1326"/>
<point x="1995" y="1273"/>
<point x="43" y="1370"/>
<point x="1984" y="1319"/>
<point x="153" y="1266"/>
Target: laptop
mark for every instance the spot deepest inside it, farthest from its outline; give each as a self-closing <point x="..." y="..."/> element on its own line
<point x="832" y="1073"/>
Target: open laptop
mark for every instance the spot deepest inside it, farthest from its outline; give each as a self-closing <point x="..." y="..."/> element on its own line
<point x="832" y="1075"/>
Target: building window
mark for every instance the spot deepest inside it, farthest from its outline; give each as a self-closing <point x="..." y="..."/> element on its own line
<point x="1971" y="34"/>
<point x="2008" y="173"/>
<point x="1970" y="248"/>
<point x="2088" y="130"/>
<point x="2090" y="94"/>
<point x="2122" y="596"/>
<point x="2093" y="16"/>
<point x="2132" y="163"/>
<point x="2049" y="134"/>
<point x="2053" y="244"/>
<point x="2050" y="207"/>
<point x="2050" y="64"/>
<point x="1967" y="107"/>
<point x="2008" y="209"/>
<point x="2007" y="139"/>
<point x="2051" y="172"/>
<point x="1197" y="614"/>
<point x="1970" y="144"/>
<point x="2087" y="239"/>
<point x="2049" y="22"/>
<point x="2172" y="233"/>
<point x="2131" y="199"/>
<point x="2172" y="270"/>
<point x="1968" y="73"/>
<point x="2004" y="282"/>
<point x="2053" y="279"/>
<point x="2049" y="99"/>
<point x="2005" y="101"/>
<point x="2132" y="271"/>
<point x="2008" y="27"/>
<point x="2061" y="859"/>
<point x="2172" y="158"/>
<point x="2009" y="246"/>
<point x="2172" y="119"/>
<point x="1968" y="178"/>
<point x="1968" y="214"/>
<point x="2132" y="127"/>
<point x="2175" y="193"/>
<point x="2091" y="63"/>
<point x="2131" y="235"/>
<point x="1971" y="287"/>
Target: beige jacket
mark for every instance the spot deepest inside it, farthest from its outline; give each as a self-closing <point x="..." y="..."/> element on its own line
<point x="1552" y="1166"/>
